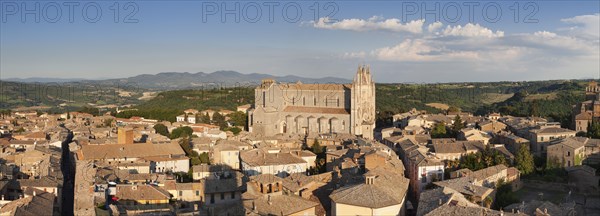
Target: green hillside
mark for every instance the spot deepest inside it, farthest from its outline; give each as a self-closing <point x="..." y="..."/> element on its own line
<point x="549" y="99"/>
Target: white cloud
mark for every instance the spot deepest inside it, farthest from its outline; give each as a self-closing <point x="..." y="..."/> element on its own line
<point x="473" y="48"/>
<point x="373" y="23"/>
<point x="562" y="45"/>
<point x="351" y="55"/>
<point x="431" y="50"/>
<point x="434" y="26"/>
<point x="471" y="30"/>
<point x="585" y="24"/>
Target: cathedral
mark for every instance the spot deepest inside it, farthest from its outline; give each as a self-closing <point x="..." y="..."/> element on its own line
<point x="312" y="109"/>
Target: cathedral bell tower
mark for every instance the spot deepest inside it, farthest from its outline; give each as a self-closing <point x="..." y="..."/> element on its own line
<point x="362" y="114"/>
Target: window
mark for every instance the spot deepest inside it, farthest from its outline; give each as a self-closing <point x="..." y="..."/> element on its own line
<point x="197" y="193"/>
<point x="314" y="101"/>
<point x="338" y="102"/>
<point x="212" y="198"/>
<point x="222" y="196"/>
<point x="232" y="195"/>
<point x="180" y="193"/>
<point x="568" y="153"/>
<point x="263" y="99"/>
<point x="303" y="101"/>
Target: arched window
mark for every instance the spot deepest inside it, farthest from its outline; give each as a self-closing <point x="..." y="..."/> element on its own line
<point x="314" y="101"/>
<point x="303" y="101"/>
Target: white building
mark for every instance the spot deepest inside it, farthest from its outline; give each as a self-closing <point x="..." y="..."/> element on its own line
<point x="263" y="161"/>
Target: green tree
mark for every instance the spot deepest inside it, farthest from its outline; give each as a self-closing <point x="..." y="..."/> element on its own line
<point x="195" y="161"/>
<point x="316" y="147"/>
<point x="90" y="110"/>
<point x="205" y="118"/>
<point x="204" y="158"/>
<point x="594" y="130"/>
<point x="524" y="160"/>
<point x="235" y="130"/>
<point x="219" y="119"/>
<point x="184" y="142"/>
<point x="457" y="125"/>
<point x="20" y="130"/>
<point x="453" y="109"/>
<point x="181" y="132"/>
<point x="238" y="119"/>
<point x="504" y="195"/>
<point x="161" y="129"/>
<point x="108" y="122"/>
<point x="552" y="163"/>
<point x="439" y="130"/>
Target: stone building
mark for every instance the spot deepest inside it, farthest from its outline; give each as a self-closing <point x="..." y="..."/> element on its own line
<point x="585" y="112"/>
<point x="308" y="109"/>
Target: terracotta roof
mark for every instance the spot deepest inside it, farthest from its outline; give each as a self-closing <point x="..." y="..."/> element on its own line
<point x="464" y="185"/>
<point x="41" y="204"/>
<point x="266" y="178"/>
<point x="488" y="172"/>
<point x="532" y="206"/>
<point x="430" y="200"/>
<point x="553" y="130"/>
<point x="141" y="192"/>
<point x="279" y="205"/>
<point x="458" y="147"/>
<point x="570" y="142"/>
<point x="141" y="150"/>
<point x="259" y="157"/>
<point x="389" y="188"/>
<point x="234" y="183"/>
<point x="468" y="211"/>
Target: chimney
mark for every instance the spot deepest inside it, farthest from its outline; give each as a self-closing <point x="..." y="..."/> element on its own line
<point x="125" y="136"/>
<point x="370" y="180"/>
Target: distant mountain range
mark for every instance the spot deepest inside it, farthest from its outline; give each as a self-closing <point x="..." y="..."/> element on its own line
<point x="186" y="80"/>
<point x="42" y="80"/>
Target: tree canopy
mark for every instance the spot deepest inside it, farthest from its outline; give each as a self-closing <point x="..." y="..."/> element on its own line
<point x="181" y="132"/>
<point x="439" y="131"/>
<point x="524" y="160"/>
<point x="161" y="129"/>
<point x="316" y="147"/>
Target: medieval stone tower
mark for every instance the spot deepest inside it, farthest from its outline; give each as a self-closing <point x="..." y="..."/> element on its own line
<point x="362" y="114"/>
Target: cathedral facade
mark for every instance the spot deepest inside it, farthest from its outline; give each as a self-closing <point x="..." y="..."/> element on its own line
<point x="312" y="109"/>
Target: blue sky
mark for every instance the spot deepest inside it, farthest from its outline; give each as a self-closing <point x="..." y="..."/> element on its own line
<point x="393" y="37"/>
